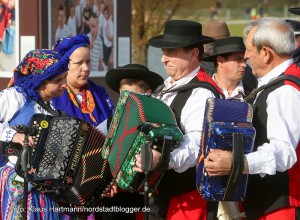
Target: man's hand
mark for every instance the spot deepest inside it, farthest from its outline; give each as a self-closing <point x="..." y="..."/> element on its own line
<point x="155" y="161"/>
<point x="218" y="162"/>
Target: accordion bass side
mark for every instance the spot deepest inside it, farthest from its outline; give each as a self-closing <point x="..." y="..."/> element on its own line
<point x="227" y="126"/>
<point x="68" y="159"/>
<point x="125" y="138"/>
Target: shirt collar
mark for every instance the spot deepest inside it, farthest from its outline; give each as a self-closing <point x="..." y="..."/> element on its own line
<point x="274" y="73"/>
<point x="182" y="81"/>
<point x="237" y="92"/>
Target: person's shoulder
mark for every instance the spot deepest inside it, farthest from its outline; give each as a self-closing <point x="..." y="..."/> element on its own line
<point x="92" y="85"/>
<point x="14" y="92"/>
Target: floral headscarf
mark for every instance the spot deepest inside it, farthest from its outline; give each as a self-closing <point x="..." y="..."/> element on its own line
<point x="36" y="67"/>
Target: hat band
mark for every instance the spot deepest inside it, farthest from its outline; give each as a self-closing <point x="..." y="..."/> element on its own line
<point x="180" y="38"/>
<point x="229" y="49"/>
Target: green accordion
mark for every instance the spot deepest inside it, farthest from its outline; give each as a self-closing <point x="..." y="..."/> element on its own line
<point x="125" y="138"/>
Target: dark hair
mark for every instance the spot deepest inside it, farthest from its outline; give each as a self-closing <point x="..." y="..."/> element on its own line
<point x="225" y="56"/>
<point x="94" y="15"/>
<point x="200" y="48"/>
<point x="130" y="81"/>
<point x="61" y="8"/>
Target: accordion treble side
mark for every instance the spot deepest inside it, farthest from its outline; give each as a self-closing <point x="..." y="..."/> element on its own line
<point x="227" y="126"/>
<point x="68" y="159"/>
<point x="125" y="139"/>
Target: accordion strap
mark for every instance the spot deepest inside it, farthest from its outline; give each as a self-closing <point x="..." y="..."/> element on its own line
<point x="237" y="166"/>
<point x="279" y="79"/>
<point x="48" y="108"/>
<point x="192" y="86"/>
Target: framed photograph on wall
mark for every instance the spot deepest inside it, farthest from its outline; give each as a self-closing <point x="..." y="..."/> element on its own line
<point x="9" y="33"/>
<point x="94" y="18"/>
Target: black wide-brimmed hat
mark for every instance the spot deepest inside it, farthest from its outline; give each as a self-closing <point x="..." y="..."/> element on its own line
<point x="132" y="71"/>
<point x="180" y="33"/>
<point x="226" y="45"/>
<point x="295" y="25"/>
<point x="295" y="11"/>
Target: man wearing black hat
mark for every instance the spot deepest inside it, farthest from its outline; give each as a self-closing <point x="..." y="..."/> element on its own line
<point x="230" y="65"/>
<point x="134" y="78"/>
<point x="296" y="28"/>
<point x="182" y="46"/>
<point x="228" y="59"/>
<point x="146" y="80"/>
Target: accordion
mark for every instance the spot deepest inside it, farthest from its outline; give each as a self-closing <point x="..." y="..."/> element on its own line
<point x="125" y="139"/>
<point x="68" y="159"/>
<point x="227" y="126"/>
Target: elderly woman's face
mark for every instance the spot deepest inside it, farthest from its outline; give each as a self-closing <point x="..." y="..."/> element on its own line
<point x="79" y="67"/>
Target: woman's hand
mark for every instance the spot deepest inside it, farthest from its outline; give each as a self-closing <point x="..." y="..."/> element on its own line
<point x="20" y="138"/>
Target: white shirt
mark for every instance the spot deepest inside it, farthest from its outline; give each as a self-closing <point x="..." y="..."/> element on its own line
<point x="108" y="29"/>
<point x="96" y="52"/>
<point x="283" y="128"/>
<point x="237" y="93"/>
<point x="101" y="21"/>
<point x="78" y="15"/>
<point x="72" y="29"/>
<point x="11" y="102"/>
<point x="186" y="155"/>
<point x="61" y="32"/>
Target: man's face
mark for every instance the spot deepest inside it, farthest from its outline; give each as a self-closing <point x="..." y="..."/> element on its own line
<point x="134" y="88"/>
<point x="93" y="26"/>
<point x="233" y="67"/>
<point x="256" y="58"/>
<point x="61" y="17"/>
<point x="179" y="62"/>
<point x="72" y="12"/>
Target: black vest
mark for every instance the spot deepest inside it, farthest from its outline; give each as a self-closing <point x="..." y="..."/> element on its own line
<point x="174" y="183"/>
<point x="268" y="193"/>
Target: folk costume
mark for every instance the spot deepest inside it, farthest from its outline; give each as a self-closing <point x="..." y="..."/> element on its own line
<point x="93" y="104"/>
<point x="113" y="78"/>
<point x="226" y="46"/>
<point x="181" y="200"/>
<point x="276" y="194"/>
<point x="18" y="104"/>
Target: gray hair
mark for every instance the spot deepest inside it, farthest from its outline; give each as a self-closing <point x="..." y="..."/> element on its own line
<point x="274" y="33"/>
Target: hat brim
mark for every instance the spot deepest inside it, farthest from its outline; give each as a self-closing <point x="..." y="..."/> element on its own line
<point x="295" y="11"/>
<point x="161" y="42"/>
<point x="114" y="76"/>
<point x="213" y="57"/>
